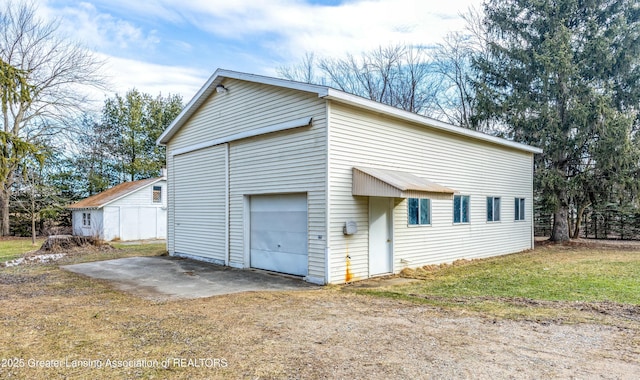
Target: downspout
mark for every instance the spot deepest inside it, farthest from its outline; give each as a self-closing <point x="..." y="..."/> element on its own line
<point x="227" y="257"/>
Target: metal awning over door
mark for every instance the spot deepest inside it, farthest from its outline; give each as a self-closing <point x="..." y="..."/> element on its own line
<point x="393" y="184"/>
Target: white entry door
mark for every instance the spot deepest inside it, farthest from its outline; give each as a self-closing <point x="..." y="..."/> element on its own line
<point x="279" y="233"/>
<point x="380" y="241"/>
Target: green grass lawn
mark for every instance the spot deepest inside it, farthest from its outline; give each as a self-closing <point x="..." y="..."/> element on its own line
<point x="13" y="248"/>
<point x="546" y="274"/>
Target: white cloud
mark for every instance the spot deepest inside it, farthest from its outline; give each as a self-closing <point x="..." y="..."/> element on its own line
<point x="294" y="26"/>
<point x="290" y="26"/>
<point x="98" y="30"/>
<point x="156" y="78"/>
<point x="125" y="32"/>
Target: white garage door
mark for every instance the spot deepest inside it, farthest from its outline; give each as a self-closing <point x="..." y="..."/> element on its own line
<point x="279" y="233"/>
<point x="199" y="201"/>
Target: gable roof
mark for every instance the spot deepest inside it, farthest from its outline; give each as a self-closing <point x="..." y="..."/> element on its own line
<point x="113" y="194"/>
<point x="330" y="94"/>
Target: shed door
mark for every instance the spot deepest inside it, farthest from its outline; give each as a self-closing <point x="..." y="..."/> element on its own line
<point x="279" y="233"/>
<point x="199" y="196"/>
<point x="138" y="223"/>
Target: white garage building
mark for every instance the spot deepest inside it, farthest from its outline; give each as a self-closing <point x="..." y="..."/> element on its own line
<point x="311" y="181"/>
<point x="135" y="210"/>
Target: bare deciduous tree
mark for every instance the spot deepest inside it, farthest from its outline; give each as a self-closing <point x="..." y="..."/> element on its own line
<point x="397" y="75"/>
<point x="452" y="61"/>
<point x="55" y="68"/>
<point x="304" y="72"/>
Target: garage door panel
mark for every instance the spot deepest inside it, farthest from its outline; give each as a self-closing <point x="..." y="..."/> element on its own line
<point x="279" y="241"/>
<point x="278" y="233"/>
<point x="283" y="262"/>
<point x="279" y="202"/>
<point x="287" y="221"/>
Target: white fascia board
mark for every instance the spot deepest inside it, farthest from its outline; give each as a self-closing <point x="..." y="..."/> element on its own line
<point x="371" y="105"/>
<point x="307" y="87"/>
<point x="218" y="76"/>
<point x="190" y="108"/>
<point x="302" y="122"/>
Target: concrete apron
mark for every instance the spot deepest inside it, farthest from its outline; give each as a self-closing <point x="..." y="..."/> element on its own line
<point x="170" y="278"/>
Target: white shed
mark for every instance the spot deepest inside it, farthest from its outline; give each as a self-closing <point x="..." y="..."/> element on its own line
<point x="135" y="210"/>
<point x="311" y="181"/>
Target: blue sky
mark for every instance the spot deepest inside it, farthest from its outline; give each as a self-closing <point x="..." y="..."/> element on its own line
<point x="168" y="46"/>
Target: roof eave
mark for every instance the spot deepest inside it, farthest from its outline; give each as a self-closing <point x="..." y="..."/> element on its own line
<point x="218" y="76"/>
<point x="97" y="207"/>
<point x="157" y="179"/>
<point x="330" y="94"/>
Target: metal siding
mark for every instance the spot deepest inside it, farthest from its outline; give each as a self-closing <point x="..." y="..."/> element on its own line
<point x="247" y="106"/>
<point x="199" y="204"/>
<point x="390" y="183"/>
<point x="170" y="204"/>
<point x="471" y="167"/>
<point x="280" y="162"/>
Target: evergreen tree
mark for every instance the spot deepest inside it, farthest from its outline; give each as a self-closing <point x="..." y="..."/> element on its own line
<point x="563" y="75"/>
<point x="131" y="125"/>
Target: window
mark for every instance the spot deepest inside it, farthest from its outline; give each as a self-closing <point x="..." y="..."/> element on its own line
<point x="157" y="194"/>
<point x="460" y="209"/>
<point x="86" y="219"/>
<point x="493" y="209"/>
<point x="519" y="207"/>
<point x="419" y="211"/>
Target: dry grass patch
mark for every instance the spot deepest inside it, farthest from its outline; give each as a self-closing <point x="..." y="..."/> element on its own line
<point x="50" y="314"/>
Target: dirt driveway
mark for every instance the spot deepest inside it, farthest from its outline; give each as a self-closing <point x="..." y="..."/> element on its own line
<point x="326" y="333"/>
<point x="377" y="338"/>
<point x="57" y="324"/>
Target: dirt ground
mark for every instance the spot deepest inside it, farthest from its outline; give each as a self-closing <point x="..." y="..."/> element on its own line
<point x="49" y="317"/>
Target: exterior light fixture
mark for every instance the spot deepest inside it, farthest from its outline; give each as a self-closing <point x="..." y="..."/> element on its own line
<point x="220" y="89"/>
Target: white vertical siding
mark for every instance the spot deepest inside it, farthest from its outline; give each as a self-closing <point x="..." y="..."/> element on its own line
<point x="291" y="161"/>
<point x="135" y="216"/>
<point x="474" y="168"/>
<point x="111" y="218"/>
